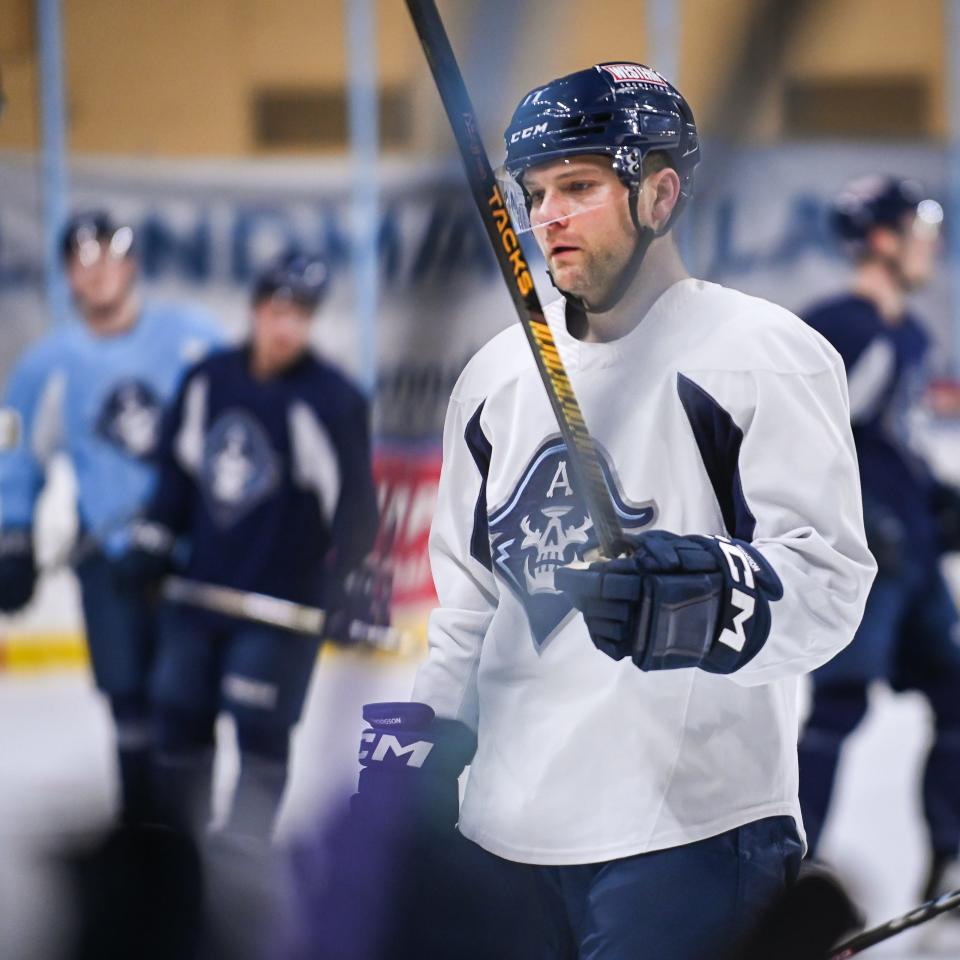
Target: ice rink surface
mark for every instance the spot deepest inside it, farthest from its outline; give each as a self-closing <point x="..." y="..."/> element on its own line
<point x="58" y="782"/>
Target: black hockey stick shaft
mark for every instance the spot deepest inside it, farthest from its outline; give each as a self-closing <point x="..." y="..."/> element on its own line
<point x="496" y="219"/>
<point x="869" y="938"/>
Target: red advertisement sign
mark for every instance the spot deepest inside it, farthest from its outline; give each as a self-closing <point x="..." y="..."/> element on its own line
<point x="407" y="481"/>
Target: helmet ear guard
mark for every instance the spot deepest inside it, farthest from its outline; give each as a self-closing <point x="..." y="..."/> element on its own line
<point x="628" y="163"/>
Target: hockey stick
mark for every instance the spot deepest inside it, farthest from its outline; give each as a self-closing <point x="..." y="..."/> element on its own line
<point x="260" y="608"/>
<point x="496" y="219"/>
<point x="11" y="428"/>
<point x="88" y="543"/>
<point x="923" y="913"/>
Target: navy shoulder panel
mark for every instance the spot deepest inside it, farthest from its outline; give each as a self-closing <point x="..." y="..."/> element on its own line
<point x="217" y="361"/>
<point x="480" y="449"/>
<point x="718" y="440"/>
<point x="917" y="333"/>
<point x="849" y="323"/>
<point x="330" y="388"/>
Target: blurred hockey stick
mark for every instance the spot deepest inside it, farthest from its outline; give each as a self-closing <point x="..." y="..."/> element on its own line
<point x="496" y="219"/>
<point x="260" y="608"/>
<point x="923" y="913"/>
<point x="89" y="542"/>
<point x="11" y="428"/>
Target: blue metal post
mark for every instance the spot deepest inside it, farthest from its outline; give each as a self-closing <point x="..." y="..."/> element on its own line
<point x="663" y="25"/>
<point x="952" y="38"/>
<point x="663" y="21"/>
<point x="54" y="168"/>
<point x="364" y="143"/>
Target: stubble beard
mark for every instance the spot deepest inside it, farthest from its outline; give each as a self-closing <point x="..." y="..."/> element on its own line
<point x="594" y="276"/>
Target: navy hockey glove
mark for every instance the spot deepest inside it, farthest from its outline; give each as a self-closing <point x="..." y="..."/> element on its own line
<point x="946" y="509"/>
<point x="410" y="762"/>
<point x="18" y="569"/>
<point x="147" y="560"/>
<point x="677" y="602"/>
<point x="364" y="597"/>
<point x="886" y="536"/>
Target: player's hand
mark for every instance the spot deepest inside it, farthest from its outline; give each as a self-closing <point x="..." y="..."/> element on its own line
<point x="410" y="762"/>
<point x="363" y="597"/>
<point x="146" y="561"/>
<point x="946" y="509"/>
<point x="18" y="569"/>
<point x="677" y="601"/>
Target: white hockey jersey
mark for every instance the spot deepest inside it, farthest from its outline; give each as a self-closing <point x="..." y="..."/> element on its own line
<point x="718" y="414"/>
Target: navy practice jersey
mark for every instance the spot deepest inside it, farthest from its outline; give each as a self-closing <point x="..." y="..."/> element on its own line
<point x="269" y="480"/>
<point x="99" y="399"/>
<point x="887" y="376"/>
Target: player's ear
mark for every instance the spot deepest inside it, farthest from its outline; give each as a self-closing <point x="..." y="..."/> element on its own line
<point x="883" y="242"/>
<point x="664" y="187"/>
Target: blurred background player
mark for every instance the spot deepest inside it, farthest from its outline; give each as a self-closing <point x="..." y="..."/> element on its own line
<point x="908" y="636"/>
<point x="96" y="390"/>
<point x="266" y="477"/>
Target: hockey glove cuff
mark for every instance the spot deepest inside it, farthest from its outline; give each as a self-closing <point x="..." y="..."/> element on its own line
<point x="18" y="569"/>
<point x="677" y="602"/>
<point x="363" y="596"/>
<point x="411" y="760"/>
<point x="147" y="559"/>
<point x="887" y="537"/>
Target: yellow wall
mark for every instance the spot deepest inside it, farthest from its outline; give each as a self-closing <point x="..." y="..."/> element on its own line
<point x="896" y="38"/>
<point x="18" y="124"/>
<point x="175" y="77"/>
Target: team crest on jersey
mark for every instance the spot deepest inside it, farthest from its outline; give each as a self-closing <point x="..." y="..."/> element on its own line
<point x="543" y="525"/>
<point x="130" y="418"/>
<point x="240" y="467"/>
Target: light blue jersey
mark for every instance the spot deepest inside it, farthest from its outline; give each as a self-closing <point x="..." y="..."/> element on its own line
<point x="100" y="400"/>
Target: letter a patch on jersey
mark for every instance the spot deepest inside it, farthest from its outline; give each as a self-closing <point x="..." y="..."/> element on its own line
<point x="544" y="524"/>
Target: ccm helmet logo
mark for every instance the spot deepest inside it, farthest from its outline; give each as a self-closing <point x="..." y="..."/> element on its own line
<point x="527" y="132"/>
<point x="386" y="745"/>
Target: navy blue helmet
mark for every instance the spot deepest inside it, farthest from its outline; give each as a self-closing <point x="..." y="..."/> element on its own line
<point x="623" y="110"/>
<point x="880" y="201"/>
<point x="94" y="227"/>
<point x="293" y="276"/>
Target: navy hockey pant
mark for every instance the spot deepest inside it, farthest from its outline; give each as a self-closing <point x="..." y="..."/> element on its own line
<point x="121" y="636"/>
<point x="693" y="902"/>
<point x="259" y="675"/>
<point x="908" y="637"/>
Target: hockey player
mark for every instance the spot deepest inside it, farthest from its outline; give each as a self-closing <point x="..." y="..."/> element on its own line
<point x="908" y="636"/>
<point x="265" y="473"/>
<point x="634" y="720"/>
<point x="96" y="390"/>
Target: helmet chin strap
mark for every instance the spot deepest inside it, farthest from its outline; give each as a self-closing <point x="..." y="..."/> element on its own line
<point x="895" y="270"/>
<point x="645" y="236"/>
